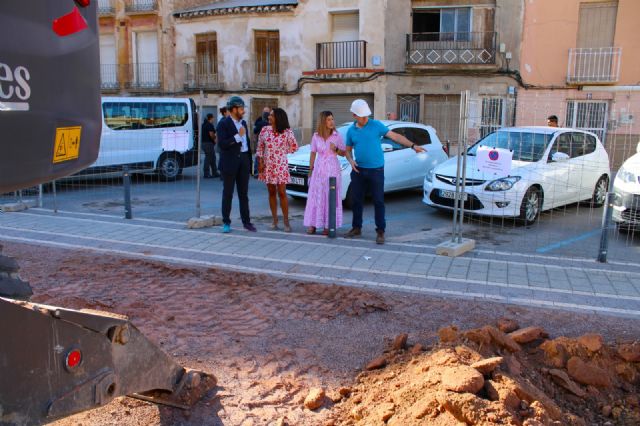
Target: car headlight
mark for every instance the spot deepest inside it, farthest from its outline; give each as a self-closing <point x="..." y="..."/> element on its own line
<point x="429" y="176"/>
<point x="625" y="175"/>
<point x="503" y="184"/>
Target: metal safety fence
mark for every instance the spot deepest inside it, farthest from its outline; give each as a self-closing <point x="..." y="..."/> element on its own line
<point x="551" y="201"/>
<point x="571" y="191"/>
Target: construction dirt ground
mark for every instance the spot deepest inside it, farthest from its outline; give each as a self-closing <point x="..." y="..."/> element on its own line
<point x="287" y="352"/>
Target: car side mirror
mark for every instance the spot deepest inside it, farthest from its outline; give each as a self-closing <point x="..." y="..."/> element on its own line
<point x="559" y="156"/>
<point x="386" y="147"/>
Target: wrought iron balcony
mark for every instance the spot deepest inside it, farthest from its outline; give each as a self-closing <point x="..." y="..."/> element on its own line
<point x="341" y="55"/>
<point x="470" y="48"/>
<point x="266" y="74"/>
<point x="135" y="77"/>
<point x="201" y="75"/>
<point x="594" y="65"/>
<point x="109" y="77"/>
<point x="106" y="7"/>
<point x="141" y="5"/>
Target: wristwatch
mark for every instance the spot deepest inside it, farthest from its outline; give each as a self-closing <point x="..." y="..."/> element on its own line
<point x="413" y="145"/>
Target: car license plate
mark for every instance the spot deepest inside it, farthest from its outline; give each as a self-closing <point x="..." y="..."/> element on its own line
<point x="452" y="195"/>
<point x="296" y="180"/>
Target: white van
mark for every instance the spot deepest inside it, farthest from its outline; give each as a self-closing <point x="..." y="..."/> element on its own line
<point x="147" y="135"/>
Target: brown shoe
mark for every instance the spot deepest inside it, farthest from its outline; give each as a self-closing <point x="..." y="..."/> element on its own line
<point x="380" y="237"/>
<point x="353" y="233"/>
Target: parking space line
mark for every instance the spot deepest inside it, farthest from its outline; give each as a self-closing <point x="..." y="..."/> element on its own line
<point x="568" y="241"/>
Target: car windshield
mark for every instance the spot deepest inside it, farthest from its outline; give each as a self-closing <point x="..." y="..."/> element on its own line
<point x="526" y="146"/>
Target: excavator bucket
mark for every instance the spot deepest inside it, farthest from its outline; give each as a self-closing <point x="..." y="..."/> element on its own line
<point x="55" y="362"/>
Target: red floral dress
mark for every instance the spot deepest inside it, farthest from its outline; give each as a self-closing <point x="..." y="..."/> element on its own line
<point x="272" y="150"/>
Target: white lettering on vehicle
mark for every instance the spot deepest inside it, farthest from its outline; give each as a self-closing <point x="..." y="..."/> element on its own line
<point x="14" y="88"/>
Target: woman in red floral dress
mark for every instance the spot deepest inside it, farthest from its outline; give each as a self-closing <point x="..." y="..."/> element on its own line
<point x="274" y="143"/>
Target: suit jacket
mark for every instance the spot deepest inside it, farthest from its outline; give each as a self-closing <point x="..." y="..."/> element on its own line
<point x="229" y="148"/>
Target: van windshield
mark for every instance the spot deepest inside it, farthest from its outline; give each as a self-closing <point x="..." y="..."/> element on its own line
<point x="144" y="115"/>
<point x="526" y="146"/>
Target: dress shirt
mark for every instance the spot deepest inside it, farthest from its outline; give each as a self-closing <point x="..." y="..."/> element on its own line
<point x="241" y="139"/>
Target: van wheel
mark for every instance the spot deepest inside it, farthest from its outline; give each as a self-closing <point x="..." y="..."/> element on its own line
<point x="531" y="206"/>
<point x="169" y="166"/>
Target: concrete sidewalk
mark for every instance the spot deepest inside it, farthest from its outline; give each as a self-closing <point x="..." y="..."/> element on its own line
<point x="573" y="284"/>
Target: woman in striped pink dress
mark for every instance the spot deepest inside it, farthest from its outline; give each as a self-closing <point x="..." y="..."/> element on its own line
<point x="326" y="145"/>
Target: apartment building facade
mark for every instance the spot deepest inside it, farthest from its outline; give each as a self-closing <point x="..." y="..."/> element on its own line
<point x="584" y="68"/>
<point x="409" y="58"/>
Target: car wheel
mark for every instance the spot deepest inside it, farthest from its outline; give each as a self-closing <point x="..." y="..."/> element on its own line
<point x="347" y="203"/>
<point x="600" y="192"/>
<point x="531" y="206"/>
<point x="169" y="167"/>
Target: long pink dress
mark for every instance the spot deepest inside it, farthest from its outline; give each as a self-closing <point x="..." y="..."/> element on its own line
<point x="316" y="213"/>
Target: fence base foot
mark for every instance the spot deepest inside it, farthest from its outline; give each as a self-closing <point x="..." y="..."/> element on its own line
<point x="203" y="222"/>
<point x="15" y="207"/>
<point x="455" y="249"/>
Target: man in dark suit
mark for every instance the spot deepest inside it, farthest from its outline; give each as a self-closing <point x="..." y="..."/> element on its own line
<point x="235" y="161"/>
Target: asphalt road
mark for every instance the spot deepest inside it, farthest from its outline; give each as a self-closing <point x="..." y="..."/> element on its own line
<point x="572" y="231"/>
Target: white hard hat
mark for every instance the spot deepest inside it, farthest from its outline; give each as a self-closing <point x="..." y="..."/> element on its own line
<point x="360" y="108"/>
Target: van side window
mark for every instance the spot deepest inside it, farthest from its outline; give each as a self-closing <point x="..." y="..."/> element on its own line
<point x="144" y="115"/>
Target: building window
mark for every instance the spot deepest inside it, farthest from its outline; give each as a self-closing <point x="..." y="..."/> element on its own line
<point x="409" y="108"/>
<point x="206" y="54"/>
<point x="443" y="24"/>
<point x="597" y="24"/>
<point x="492" y="115"/>
<point x="267" y="60"/>
<point x="588" y="115"/>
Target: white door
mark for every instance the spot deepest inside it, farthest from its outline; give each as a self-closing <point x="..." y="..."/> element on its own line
<point x="145" y="59"/>
<point x="108" y="63"/>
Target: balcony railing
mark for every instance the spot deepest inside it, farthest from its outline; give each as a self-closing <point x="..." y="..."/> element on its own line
<point x="266" y="74"/>
<point x="201" y="75"/>
<point x="136" y="77"/>
<point x="141" y="5"/>
<point x="594" y="65"/>
<point x="469" y="48"/>
<point x="341" y="55"/>
<point x="106" y="7"/>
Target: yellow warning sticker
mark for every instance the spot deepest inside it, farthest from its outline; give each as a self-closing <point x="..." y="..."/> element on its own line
<point x="67" y="145"/>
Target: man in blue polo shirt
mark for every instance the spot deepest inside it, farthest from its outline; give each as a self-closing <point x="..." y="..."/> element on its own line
<point x="365" y="136"/>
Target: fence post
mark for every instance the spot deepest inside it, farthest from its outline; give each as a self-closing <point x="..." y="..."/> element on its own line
<point x="126" y="178"/>
<point x="55" y="196"/>
<point x="199" y="170"/>
<point x="332" y="207"/>
<point x="606" y="223"/>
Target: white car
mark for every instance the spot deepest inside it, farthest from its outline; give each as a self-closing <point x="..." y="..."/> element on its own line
<point x="403" y="168"/>
<point x="626" y="187"/>
<point x="551" y="167"/>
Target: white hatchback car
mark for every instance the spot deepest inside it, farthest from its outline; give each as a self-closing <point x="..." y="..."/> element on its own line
<point x="551" y="167"/>
<point x="626" y="187"/>
<point x="403" y="168"/>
